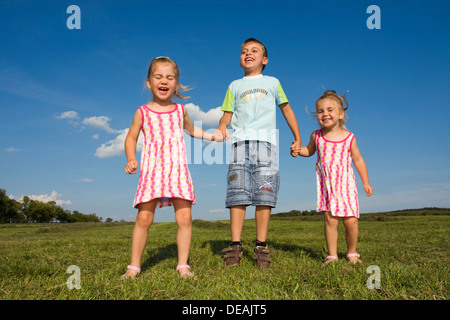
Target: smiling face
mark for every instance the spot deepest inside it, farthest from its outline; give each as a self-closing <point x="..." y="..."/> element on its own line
<point x="162" y="82"/>
<point x="253" y="59"/>
<point x="329" y="113"/>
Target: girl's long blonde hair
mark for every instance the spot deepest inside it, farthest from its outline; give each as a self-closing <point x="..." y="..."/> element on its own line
<point x="180" y="87"/>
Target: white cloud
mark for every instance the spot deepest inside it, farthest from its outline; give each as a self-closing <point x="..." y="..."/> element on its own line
<point x="100" y="122"/>
<point x="116" y="146"/>
<point x="210" y="118"/>
<point x="216" y="210"/>
<point x="87" y="180"/>
<point x="68" y="115"/>
<point x="12" y="149"/>
<point x="54" y="196"/>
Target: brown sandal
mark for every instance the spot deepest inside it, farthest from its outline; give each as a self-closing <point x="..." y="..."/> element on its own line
<point x="262" y="256"/>
<point x="232" y="255"/>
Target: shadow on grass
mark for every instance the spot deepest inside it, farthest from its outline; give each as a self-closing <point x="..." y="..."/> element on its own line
<point x="157" y="255"/>
<point x="217" y="246"/>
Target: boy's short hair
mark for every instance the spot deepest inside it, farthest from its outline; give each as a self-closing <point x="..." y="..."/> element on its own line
<point x="249" y="40"/>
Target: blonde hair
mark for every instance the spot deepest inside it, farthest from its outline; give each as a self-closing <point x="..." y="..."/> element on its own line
<point x="180" y="87"/>
<point x="331" y="94"/>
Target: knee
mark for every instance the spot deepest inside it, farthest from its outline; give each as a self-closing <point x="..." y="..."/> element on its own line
<point x="184" y="219"/>
<point x="350" y="222"/>
<point x="144" y="219"/>
<point x="330" y="220"/>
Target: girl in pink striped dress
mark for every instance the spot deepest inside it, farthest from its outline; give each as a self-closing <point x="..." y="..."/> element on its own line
<point x="164" y="176"/>
<point x="337" y="194"/>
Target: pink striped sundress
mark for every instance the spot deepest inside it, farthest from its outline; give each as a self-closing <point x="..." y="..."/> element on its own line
<point x="336" y="184"/>
<point x="164" y="170"/>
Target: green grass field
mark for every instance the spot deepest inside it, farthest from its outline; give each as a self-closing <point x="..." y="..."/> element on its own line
<point x="410" y="248"/>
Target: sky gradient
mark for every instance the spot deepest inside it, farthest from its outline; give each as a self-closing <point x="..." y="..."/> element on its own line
<point x="67" y="96"/>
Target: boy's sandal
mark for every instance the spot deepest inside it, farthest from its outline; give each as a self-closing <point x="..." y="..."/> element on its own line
<point x="232" y="255"/>
<point x="185" y="274"/>
<point x="262" y="256"/>
<point x="329" y="259"/>
<point x="355" y="257"/>
<point x="128" y="275"/>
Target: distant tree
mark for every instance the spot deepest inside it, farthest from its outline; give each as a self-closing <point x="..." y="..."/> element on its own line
<point x="9" y="209"/>
<point x="28" y="210"/>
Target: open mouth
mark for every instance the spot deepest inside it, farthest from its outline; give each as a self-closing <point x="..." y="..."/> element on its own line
<point x="249" y="59"/>
<point x="163" y="89"/>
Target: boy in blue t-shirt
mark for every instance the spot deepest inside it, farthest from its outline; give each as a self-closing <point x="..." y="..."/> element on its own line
<point x="253" y="177"/>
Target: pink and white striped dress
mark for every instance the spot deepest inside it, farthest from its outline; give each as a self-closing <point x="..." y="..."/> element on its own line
<point x="164" y="170"/>
<point x="336" y="184"/>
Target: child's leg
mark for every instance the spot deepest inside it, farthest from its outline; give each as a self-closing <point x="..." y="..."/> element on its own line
<point x="351" y="233"/>
<point x="262" y="217"/>
<point x="143" y="222"/>
<point x="331" y="234"/>
<point x="184" y="231"/>
<point x="237" y="216"/>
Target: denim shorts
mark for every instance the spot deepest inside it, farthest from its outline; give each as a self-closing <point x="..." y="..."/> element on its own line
<point x="253" y="177"/>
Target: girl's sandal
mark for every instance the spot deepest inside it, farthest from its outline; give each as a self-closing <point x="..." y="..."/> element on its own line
<point x="355" y="257"/>
<point x="131" y="275"/>
<point x="329" y="259"/>
<point x="185" y="274"/>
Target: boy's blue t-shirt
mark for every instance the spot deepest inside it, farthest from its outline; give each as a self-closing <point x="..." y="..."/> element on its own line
<point x="253" y="101"/>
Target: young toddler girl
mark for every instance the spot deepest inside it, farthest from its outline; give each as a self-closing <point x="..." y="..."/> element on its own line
<point x="164" y="176"/>
<point x="337" y="194"/>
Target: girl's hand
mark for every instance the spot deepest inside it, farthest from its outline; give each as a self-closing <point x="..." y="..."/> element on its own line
<point x="295" y="148"/>
<point x="220" y="136"/>
<point x="131" y="167"/>
<point x="368" y="189"/>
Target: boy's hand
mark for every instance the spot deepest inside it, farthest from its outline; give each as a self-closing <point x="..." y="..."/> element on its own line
<point x="131" y="167"/>
<point x="221" y="135"/>
<point x="295" y="148"/>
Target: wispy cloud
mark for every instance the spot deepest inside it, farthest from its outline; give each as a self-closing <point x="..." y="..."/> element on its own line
<point x="100" y="122"/>
<point x="54" y="196"/>
<point x="12" y="149"/>
<point x="68" y="115"/>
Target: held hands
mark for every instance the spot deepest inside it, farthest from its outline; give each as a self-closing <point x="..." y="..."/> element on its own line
<point x="131" y="167"/>
<point x="295" y="148"/>
<point x="221" y="135"/>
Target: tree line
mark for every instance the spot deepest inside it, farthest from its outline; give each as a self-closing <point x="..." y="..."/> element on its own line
<point x="28" y="210"/>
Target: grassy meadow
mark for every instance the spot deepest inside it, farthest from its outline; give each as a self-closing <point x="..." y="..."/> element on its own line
<point x="410" y="248"/>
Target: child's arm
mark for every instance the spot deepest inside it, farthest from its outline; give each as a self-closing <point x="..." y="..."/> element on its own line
<point x="291" y="120"/>
<point x="194" y="131"/>
<point x="310" y="149"/>
<point x="130" y="143"/>
<point x="360" y="166"/>
<point x="223" y="124"/>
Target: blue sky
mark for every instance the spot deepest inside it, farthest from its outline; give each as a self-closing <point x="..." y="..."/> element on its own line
<point x="66" y="96"/>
